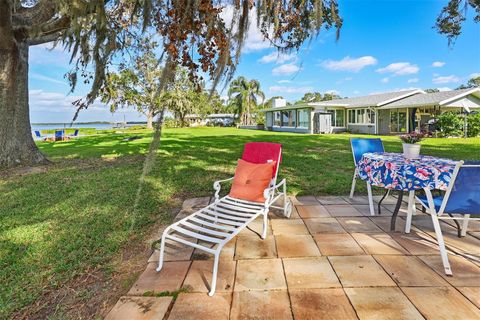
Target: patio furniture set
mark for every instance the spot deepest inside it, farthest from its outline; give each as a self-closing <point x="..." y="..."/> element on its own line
<point x="59" y="135"/>
<point x="255" y="191"/>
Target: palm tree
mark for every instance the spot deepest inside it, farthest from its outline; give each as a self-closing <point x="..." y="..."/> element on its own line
<point x="245" y="95"/>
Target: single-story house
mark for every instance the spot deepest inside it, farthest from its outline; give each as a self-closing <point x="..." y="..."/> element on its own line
<point x="384" y="113"/>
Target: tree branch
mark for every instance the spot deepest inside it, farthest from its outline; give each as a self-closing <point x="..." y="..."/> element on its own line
<point x="45" y="38"/>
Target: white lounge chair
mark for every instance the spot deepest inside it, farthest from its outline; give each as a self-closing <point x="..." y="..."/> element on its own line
<point x="221" y="221"/>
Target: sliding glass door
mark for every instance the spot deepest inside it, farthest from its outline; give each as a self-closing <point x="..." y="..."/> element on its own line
<point x="398" y="120"/>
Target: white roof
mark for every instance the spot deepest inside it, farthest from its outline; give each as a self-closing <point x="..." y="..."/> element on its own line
<point x="443" y="98"/>
<point x="374" y="100"/>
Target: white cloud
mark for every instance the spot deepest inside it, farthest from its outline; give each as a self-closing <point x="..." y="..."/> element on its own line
<point x="400" y="68"/>
<point x="285" y="69"/>
<point x="393" y="90"/>
<point x="41" y="100"/>
<point x="278" y="57"/>
<point x="356" y="92"/>
<point x="444" y="89"/>
<point x="349" y="64"/>
<point x="284" y="81"/>
<point x="254" y="40"/>
<point x="38" y="76"/>
<point x="413" y="80"/>
<point x="445" y="79"/>
<point x="385" y="80"/>
<point x="473" y="75"/>
<point x="285" y="89"/>
<point x="438" y="64"/>
<point x="333" y="91"/>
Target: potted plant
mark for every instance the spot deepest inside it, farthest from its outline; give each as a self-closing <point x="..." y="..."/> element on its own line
<point x="411" y="148"/>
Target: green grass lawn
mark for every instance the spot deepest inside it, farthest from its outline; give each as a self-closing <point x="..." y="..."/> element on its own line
<point x="76" y="217"/>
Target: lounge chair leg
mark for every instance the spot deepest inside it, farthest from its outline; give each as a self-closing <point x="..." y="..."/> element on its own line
<point x="285" y="200"/>
<point x="162" y="251"/>
<point x="441" y="244"/>
<point x="410" y="211"/>
<point x="265" y="225"/>
<point x="370" y="199"/>
<point x="214" y="275"/>
<point x="352" y="190"/>
<point x="465" y="225"/>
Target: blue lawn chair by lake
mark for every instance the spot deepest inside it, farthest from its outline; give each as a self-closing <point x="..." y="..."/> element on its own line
<point x="359" y="147"/>
<point x="59" y="135"/>
<point x="460" y="201"/>
<point x="75" y="134"/>
<point x="38" y="135"/>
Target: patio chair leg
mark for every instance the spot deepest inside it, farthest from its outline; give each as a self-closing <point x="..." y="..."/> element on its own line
<point x="265" y="224"/>
<point x="370" y="199"/>
<point x="352" y="190"/>
<point x="214" y="275"/>
<point x="162" y="251"/>
<point x="465" y="225"/>
<point x="441" y="244"/>
<point x="410" y="211"/>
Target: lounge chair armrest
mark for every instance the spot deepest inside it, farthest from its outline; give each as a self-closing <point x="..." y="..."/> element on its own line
<point x="269" y="193"/>
<point x="281" y="183"/>
<point x="217" y="186"/>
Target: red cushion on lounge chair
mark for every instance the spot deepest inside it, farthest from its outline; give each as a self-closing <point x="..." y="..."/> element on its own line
<point x="251" y="180"/>
<point x="261" y="152"/>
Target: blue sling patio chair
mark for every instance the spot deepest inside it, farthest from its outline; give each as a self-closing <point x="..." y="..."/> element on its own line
<point x="59" y="135"/>
<point x="460" y="201"/>
<point x="75" y="134"/>
<point x="359" y="147"/>
<point x="38" y="135"/>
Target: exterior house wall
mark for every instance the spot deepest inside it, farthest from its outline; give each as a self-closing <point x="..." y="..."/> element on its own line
<point x="362" y="128"/>
<point x="268" y="119"/>
<point x="295" y="130"/>
<point x="383" y="121"/>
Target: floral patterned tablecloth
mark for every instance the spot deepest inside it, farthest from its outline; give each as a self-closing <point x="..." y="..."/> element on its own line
<point x="393" y="171"/>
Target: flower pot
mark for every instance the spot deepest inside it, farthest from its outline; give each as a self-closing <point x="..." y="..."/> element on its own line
<point x="411" y="150"/>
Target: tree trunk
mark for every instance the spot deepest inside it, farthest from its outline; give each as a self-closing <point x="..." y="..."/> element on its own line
<point x="16" y="143"/>
<point x="150" y="116"/>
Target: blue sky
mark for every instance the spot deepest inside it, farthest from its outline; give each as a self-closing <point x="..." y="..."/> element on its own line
<point x="384" y="46"/>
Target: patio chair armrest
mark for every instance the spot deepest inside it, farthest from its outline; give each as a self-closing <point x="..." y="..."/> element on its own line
<point x="281" y="183"/>
<point x="217" y="186"/>
<point x="269" y="193"/>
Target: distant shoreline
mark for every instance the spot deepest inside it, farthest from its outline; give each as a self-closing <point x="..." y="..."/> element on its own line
<point x="90" y="122"/>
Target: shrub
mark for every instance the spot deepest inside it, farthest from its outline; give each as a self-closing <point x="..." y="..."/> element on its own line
<point x="473" y="124"/>
<point x="450" y="124"/>
<point x="171" y="123"/>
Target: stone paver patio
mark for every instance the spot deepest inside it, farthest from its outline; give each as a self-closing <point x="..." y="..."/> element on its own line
<point x="330" y="260"/>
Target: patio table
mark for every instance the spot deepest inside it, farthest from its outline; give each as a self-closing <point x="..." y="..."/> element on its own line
<point x="393" y="171"/>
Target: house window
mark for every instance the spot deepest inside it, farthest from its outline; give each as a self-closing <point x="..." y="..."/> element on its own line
<point x="303" y="118"/>
<point x="398" y="120"/>
<point x="277" y="119"/>
<point x="289" y="118"/>
<point x="339" y="118"/>
<point x="369" y="116"/>
<point x="361" y="116"/>
<point x="351" y="116"/>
